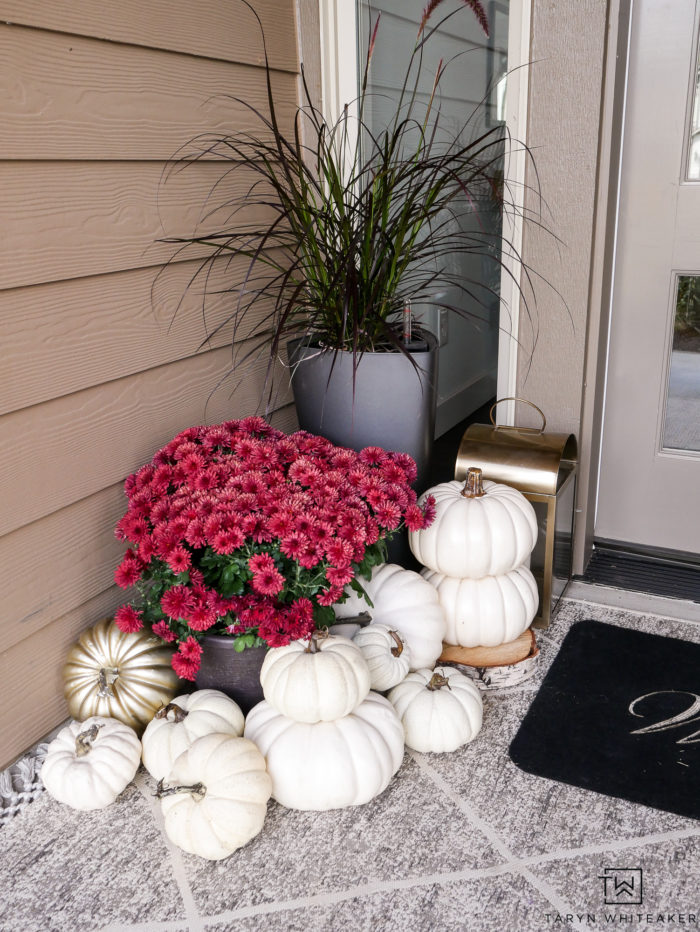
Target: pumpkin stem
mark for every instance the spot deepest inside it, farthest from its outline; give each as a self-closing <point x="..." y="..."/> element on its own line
<point x="107" y="676"/>
<point x="363" y="619"/>
<point x="84" y="740"/>
<point x="179" y="714"/>
<point x="474" y="485"/>
<point x="198" y="790"/>
<point x="398" y="650"/>
<point x="318" y="636"/>
<point x="437" y="681"/>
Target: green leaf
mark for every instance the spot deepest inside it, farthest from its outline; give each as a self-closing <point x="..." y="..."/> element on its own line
<point x="324" y="616"/>
<point x="231" y="582"/>
<point x="361" y="591"/>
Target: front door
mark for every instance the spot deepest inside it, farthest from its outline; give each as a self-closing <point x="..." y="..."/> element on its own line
<point x="649" y="492"/>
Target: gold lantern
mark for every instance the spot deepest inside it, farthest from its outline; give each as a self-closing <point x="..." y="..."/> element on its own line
<point x="543" y="467"/>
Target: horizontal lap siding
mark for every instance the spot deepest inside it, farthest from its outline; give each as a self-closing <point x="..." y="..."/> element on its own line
<point x="104" y="327"/>
<point x="65" y="220"/>
<point x="102" y="100"/>
<point x="102" y="354"/>
<point x="224" y="29"/>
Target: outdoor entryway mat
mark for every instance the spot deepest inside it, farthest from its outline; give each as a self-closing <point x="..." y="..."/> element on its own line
<point x="619" y="713"/>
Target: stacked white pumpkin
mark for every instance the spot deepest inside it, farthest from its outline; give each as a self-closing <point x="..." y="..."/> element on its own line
<point x="440" y="709"/>
<point x="329" y="742"/>
<point x="212" y="783"/>
<point x="399" y="600"/>
<point x="476" y="554"/>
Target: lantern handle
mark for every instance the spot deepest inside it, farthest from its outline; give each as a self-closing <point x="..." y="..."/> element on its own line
<point x="535" y="430"/>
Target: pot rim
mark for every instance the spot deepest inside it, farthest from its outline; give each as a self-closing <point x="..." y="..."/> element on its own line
<point x="302" y="343"/>
<point x="227" y="641"/>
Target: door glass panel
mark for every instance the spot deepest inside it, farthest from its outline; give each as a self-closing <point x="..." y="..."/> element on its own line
<point x="469" y="103"/>
<point x="694" y="142"/>
<point x="682" y="420"/>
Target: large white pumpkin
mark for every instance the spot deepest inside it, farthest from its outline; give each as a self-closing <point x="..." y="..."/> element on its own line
<point x="89" y="763"/>
<point x="440" y="709"/>
<point x="489" y="611"/>
<point x="386" y="653"/>
<point x="480" y="529"/>
<point x="329" y="765"/>
<point x="177" y="725"/>
<point x="215" y="797"/>
<point x="405" y="602"/>
<point x="317" y="680"/>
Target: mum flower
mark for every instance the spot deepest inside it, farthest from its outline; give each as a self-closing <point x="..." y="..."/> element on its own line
<point x="128" y="619"/>
<point x="242" y="530"/>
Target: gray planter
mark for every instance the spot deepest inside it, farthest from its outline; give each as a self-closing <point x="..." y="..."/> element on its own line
<point x="393" y="406"/>
<point x="236" y="674"/>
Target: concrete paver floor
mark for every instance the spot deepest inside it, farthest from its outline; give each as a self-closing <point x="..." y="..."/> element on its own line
<point x="457" y="841"/>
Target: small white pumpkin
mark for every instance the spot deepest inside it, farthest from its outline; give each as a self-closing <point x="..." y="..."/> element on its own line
<point x="317" y="680"/>
<point x="405" y="602"/>
<point x="489" y="611"/>
<point x="329" y="765"/>
<point x="215" y="798"/>
<point x="481" y="528"/>
<point x="177" y="725"/>
<point x="386" y="653"/>
<point x="440" y="709"/>
<point x="89" y="763"/>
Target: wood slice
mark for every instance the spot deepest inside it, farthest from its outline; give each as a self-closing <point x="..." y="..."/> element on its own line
<point x="501" y="673"/>
<point x="502" y="655"/>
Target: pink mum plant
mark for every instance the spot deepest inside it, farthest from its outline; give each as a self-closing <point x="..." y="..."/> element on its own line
<point x="241" y="529"/>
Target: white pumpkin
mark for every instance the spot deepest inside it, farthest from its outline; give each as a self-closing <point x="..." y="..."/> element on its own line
<point x="489" y="611"/>
<point x="317" y="680"/>
<point x="215" y="798"/>
<point x="329" y="765"/>
<point x="405" y="602"/>
<point x="386" y="653"/>
<point x="480" y="529"/>
<point x="440" y="709"/>
<point x="177" y="725"/>
<point x="89" y="763"/>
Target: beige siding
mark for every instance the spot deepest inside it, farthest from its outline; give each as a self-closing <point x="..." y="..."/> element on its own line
<point x="97" y="371"/>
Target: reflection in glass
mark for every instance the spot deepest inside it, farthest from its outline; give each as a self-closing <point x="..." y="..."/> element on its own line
<point x="694" y="144"/>
<point x="682" y="421"/>
<point x="466" y="106"/>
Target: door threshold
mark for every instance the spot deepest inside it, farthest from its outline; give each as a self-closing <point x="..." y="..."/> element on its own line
<point x="629" y="600"/>
<point x="666" y="574"/>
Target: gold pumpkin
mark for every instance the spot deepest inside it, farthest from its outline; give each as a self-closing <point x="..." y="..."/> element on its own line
<point x="118" y="675"/>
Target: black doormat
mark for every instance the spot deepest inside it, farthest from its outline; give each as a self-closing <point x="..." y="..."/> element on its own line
<point x="619" y="713"/>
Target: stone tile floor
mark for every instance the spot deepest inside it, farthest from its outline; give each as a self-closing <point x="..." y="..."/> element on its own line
<point x="463" y="841"/>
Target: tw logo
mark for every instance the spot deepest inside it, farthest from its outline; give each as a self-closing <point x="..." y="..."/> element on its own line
<point x="622" y="886"/>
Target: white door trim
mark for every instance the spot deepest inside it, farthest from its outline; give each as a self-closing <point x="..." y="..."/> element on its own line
<point x="339" y="71"/>
<point x="339" y="79"/>
<point x="519" y="17"/>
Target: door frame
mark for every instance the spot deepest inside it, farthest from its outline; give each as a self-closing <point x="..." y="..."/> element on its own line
<point x="338" y="77"/>
<point x="605" y="229"/>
